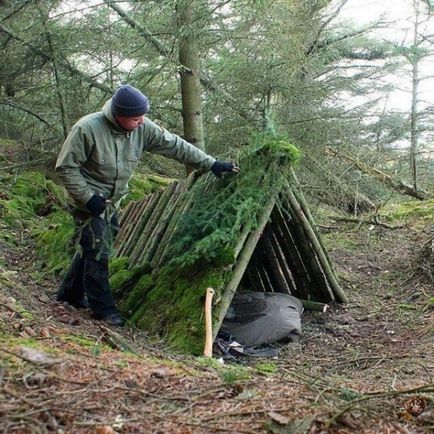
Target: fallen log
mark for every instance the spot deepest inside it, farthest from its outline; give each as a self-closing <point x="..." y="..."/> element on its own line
<point x="395" y="184"/>
<point x="314" y="306"/>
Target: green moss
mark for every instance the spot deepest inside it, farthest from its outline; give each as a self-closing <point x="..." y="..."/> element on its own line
<point x="410" y="210"/>
<point x="233" y="374"/>
<point x="37" y="203"/>
<point x="54" y="242"/>
<point x="118" y="264"/>
<point x="140" y="185"/>
<point x="266" y="368"/>
<point x="227" y="373"/>
<point x="29" y="195"/>
<point x="80" y="340"/>
<point x="209" y="362"/>
<point x="14" y="341"/>
<point x="172" y="306"/>
<point x="276" y="148"/>
<point x="138" y="293"/>
<point x="125" y="279"/>
<point x="136" y="316"/>
<point x="119" y="278"/>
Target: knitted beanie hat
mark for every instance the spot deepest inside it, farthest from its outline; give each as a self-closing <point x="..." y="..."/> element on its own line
<point x="129" y="102"/>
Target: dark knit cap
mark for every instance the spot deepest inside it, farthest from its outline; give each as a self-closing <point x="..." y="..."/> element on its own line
<point x="129" y="102"/>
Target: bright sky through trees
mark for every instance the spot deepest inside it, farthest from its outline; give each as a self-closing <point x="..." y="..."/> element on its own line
<point x="397" y="16"/>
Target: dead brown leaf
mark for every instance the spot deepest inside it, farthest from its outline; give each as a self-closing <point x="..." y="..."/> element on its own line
<point x="279" y="418"/>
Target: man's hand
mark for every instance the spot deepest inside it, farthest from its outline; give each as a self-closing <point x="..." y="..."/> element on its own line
<point x="96" y="205"/>
<point x="220" y="167"/>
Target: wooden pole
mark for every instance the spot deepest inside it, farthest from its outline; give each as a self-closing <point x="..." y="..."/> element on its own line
<point x="154" y="237"/>
<point x="282" y="261"/>
<point x="242" y="262"/>
<point x="318" y="283"/>
<point x="137" y="225"/>
<point x="137" y="251"/>
<point x="315" y="306"/>
<point x="208" y="323"/>
<point x="183" y="205"/>
<point x="127" y="211"/>
<point x="303" y="203"/>
<point x="129" y="226"/>
<point x="279" y="281"/>
<point x="337" y="290"/>
<point x="291" y="253"/>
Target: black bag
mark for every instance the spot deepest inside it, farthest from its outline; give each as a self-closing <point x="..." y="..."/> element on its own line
<point x="256" y="318"/>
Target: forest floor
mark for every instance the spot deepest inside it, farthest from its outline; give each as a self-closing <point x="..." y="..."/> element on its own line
<point x="367" y="367"/>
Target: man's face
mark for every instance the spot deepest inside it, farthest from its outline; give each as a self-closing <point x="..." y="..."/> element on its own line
<point x="130" y="124"/>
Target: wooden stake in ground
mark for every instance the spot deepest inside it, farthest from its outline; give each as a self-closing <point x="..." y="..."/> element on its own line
<point x="208" y="323"/>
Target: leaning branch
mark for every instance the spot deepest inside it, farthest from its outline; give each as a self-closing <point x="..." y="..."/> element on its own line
<point x="384" y="178"/>
<point x="140" y="29"/>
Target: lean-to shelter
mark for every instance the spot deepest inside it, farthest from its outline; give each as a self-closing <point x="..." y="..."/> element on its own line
<point x="249" y="231"/>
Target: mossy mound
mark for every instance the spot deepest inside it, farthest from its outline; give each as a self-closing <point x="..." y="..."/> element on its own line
<point x="54" y="241"/>
<point x="410" y="210"/>
<point x="28" y="196"/>
<point x="34" y="203"/>
<point x="202" y="250"/>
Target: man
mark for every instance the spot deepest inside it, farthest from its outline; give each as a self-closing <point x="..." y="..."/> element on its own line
<point x="95" y="163"/>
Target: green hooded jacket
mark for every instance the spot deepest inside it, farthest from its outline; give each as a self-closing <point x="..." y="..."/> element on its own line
<point x="99" y="157"/>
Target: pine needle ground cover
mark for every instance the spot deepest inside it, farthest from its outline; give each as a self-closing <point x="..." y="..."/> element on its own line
<point x="204" y="245"/>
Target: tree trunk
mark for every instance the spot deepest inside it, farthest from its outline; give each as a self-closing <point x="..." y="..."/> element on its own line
<point x="59" y="91"/>
<point x="414" y="134"/>
<point x="190" y="76"/>
<point x="164" y="51"/>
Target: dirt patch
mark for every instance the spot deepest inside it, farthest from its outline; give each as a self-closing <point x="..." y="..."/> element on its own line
<point x="363" y="368"/>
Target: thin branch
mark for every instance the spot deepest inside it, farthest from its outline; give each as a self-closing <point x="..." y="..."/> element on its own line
<point x="427" y="388"/>
<point x="61" y="61"/>
<point x="15" y="11"/>
<point x="10" y="103"/>
<point x="368" y="221"/>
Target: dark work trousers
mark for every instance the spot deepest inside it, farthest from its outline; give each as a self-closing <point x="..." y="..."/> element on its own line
<point x="89" y="272"/>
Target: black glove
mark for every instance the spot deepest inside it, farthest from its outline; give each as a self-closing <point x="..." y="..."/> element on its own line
<point x="96" y="205"/>
<point x="219" y="167"/>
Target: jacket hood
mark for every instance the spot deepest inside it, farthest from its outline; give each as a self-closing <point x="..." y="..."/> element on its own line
<point x="107" y="112"/>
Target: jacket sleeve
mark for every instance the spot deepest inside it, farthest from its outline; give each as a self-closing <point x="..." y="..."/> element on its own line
<point x="160" y="141"/>
<point x="74" y="153"/>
